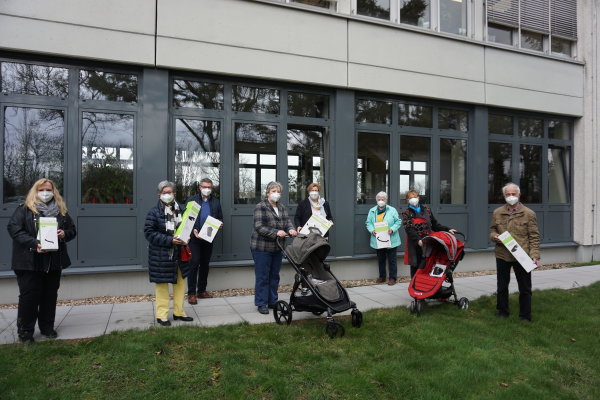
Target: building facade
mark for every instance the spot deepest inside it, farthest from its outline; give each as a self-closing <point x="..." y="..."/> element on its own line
<point x="453" y="98"/>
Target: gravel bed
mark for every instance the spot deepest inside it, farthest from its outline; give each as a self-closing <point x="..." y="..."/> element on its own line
<point x="249" y="292"/>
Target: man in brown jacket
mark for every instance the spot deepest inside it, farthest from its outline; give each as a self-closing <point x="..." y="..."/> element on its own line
<point x="521" y="222"/>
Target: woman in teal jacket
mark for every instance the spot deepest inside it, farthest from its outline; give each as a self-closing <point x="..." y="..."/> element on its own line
<point x="383" y="212"/>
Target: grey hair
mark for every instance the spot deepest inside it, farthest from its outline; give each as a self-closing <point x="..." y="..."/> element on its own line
<point x="164" y="184"/>
<point x="382" y="194"/>
<point x="206" y="180"/>
<point x="273" y="185"/>
<point x="510" y="184"/>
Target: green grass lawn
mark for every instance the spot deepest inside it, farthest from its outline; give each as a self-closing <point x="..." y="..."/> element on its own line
<point x="445" y="354"/>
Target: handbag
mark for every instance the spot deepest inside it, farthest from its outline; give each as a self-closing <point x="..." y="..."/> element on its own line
<point x="185" y="254"/>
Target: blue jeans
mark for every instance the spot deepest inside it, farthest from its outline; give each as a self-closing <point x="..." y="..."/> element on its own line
<point x="392" y="257"/>
<point x="266" y="271"/>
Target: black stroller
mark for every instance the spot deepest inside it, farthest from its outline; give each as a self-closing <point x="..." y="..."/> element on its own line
<point x="315" y="289"/>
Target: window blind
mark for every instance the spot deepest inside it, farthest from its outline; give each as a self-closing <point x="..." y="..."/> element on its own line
<point x="564" y="18"/>
<point x="535" y="15"/>
<point x="504" y="12"/>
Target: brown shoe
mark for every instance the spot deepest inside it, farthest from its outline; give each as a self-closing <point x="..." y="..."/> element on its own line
<point x="392" y="282"/>
<point x="204" y="295"/>
<point x="379" y="280"/>
<point x="192" y="299"/>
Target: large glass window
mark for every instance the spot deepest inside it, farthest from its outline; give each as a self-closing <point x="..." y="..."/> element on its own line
<point x="372" y="166"/>
<point x="107" y="158"/>
<point x="256" y="100"/>
<point x="415" y="115"/>
<point x="99" y="85"/>
<point x="194" y="94"/>
<point x="559" y="176"/>
<point x="453" y="16"/>
<point x="415" y="161"/>
<point x="530" y="168"/>
<point x="33" y="149"/>
<point x="197" y="155"/>
<point x="415" y="12"/>
<point x="308" y="105"/>
<point x="499" y="170"/>
<point x="374" y="8"/>
<point x="373" y="111"/>
<point x="500" y="34"/>
<point x="305" y="154"/>
<point x="531" y="127"/>
<point x="500" y="124"/>
<point x="255" y="159"/>
<point x="453" y="119"/>
<point x="33" y="79"/>
<point x="453" y="171"/>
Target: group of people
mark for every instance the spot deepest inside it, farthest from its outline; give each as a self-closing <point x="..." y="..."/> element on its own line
<point x="172" y="260"/>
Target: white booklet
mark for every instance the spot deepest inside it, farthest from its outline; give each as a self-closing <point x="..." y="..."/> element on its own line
<point x="209" y="229"/>
<point x="517" y="251"/>
<point x="318" y="222"/>
<point x="382" y="236"/>
<point x="48" y="233"/>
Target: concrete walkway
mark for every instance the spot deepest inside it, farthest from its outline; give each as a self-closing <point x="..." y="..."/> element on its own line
<point x="73" y="322"/>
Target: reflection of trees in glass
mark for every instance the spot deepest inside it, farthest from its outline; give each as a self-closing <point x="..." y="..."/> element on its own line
<point x="316" y="3"/>
<point x="107" y="158"/>
<point x="305" y="156"/>
<point x="414" y="115"/>
<point x="453" y="172"/>
<point x="532" y="41"/>
<point x="258" y="100"/>
<point x="98" y="85"/>
<point x="530" y="168"/>
<point x="374" y="8"/>
<point x="372" y="111"/>
<point x="531" y="127"/>
<point x="499" y="170"/>
<point x="414" y="164"/>
<point x="372" y="165"/>
<point x="413" y="12"/>
<point x="500" y="124"/>
<point x="559" y="130"/>
<point x="197" y="94"/>
<point x="308" y="105"/>
<point x="33" y="149"/>
<point x="453" y="119"/>
<point x="32" y="79"/>
<point x="197" y="155"/>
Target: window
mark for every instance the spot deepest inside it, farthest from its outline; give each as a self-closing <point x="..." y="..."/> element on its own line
<point x="193" y="94"/>
<point x="499" y="170"/>
<point x="532" y="41"/>
<point x="453" y="119"/>
<point x="39" y="80"/>
<point x="255" y="159"/>
<point x="256" y="100"/>
<point x="500" y="124"/>
<point x="453" y="171"/>
<point x="559" y="176"/>
<point x="197" y="155"/>
<point x="373" y="111"/>
<point x="415" y="115"/>
<point x="315" y="3"/>
<point x="308" y="105"/>
<point x="530" y="173"/>
<point x="415" y="12"/>
<point x="372" y="166"/>
<point x="531" y="127"/>
<point x="305" y="158"/>
<point x="453" y="16"/>
<point x="107" y="158"/>
<point x="374" y="8"/>
<point x="561" y="47"/>
<point x="500" y="34"/>
<point x="558" y="129"/>
<point x="33" y="149"/>
<point x="98" y="85"/>
<point x="415" y="165"/>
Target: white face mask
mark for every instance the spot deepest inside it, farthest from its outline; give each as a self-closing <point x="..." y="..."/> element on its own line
<point x="45" y="196"/>
<point x="413" y="201"/>
<point x="381" y="203"/>
<point x="167" y="198"/>
<point x="512" y="200"/>
<point x="314" y="195"/>
<point x="206" y="192"/>
<point x="274" y="197"/>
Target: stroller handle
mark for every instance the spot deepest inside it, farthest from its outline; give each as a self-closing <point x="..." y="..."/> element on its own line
<point x="461" y="234"/>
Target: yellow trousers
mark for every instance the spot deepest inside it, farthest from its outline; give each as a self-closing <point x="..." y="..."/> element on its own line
<point x="162" y="298"/>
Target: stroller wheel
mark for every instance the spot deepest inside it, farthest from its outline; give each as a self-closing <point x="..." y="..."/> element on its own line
<point x="463" y="303"/>
<point x="357" y="318"/>
<point x="282" y="313"/>
<point x="412" y="307"/>
<point x="318" y="312"/>
<point x="334" y="329"/>
<point x="415" y="307"/>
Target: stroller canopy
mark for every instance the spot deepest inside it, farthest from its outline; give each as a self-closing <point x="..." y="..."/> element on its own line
<point x="304" y="245"/>
<point x="446" y="240"/>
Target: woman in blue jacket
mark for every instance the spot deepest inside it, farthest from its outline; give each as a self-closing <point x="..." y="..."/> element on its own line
<point x="383" y="212"/>
<point x="164" y="252"/>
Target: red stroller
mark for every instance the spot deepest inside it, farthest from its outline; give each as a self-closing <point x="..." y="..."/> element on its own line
<point x="442" y="252"/>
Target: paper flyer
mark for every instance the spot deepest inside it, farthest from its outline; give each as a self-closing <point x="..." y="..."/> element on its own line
<point x="209" y="229"/>
<point x="517" y="251"/>
<point x="316" y="221"/>
<point x="382" y="236"/>
<point x="47" y="233"/>
<point x="184" y="230"/>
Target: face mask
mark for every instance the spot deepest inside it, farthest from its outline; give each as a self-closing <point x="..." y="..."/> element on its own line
<point x="512" y="200"/>
<point x="167" y="198"/>
<point x="206" y="192"/>
<point x="274" y="197"/>
<point x="45" y="196"/>
<point x="314" y="195"/>
<point x="381" y="203"/>
<point x="413" y="201"/>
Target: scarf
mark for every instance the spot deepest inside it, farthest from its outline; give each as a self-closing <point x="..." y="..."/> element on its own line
<point x="172" y="220"/>
<point x="49" y="209"/>
<point x="317" y="208"/>
<point x="417" y="209"/>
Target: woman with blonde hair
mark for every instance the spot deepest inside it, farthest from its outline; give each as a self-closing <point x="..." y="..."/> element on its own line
<point x="313" y="204"/>
<point x="38" y="271"/>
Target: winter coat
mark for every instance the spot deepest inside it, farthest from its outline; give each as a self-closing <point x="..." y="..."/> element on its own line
<point x="162" y="262"/>
<point x="23" y="229"/>
<point x="304" y="212"/>
<point x="417" y="231"/>
<point x="522" y="225"/>
<point x="393" y="221"/>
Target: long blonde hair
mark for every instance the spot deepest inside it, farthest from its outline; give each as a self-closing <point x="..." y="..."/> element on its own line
<point x="32" y="200"/>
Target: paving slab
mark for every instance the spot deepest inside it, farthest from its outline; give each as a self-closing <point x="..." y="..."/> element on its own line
<point x="85" y="319"/>
<point x="138" y="306"/>
<point x="81" y="331"/>
<point x="91" y="309"/>
<point x="240" y="299"/>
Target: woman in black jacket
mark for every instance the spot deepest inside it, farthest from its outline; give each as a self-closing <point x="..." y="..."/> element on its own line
<point x="38" y="271"/>
<point x="164" y="253"/>
<point x="313" y="204"/>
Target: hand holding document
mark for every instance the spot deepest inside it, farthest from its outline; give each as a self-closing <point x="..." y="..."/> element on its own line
<point x="209" y="229"/>
<point x="318" y="222"/>
<point x="517" y="251"/>
<point x="382" y="235"/>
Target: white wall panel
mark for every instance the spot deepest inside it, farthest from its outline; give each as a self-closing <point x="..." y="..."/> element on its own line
<point x="531" y="100"/>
